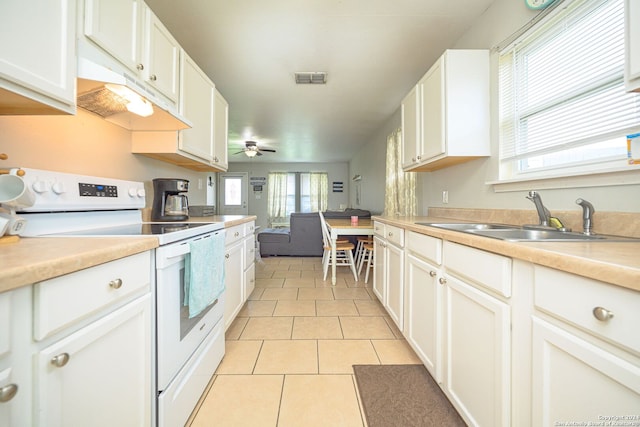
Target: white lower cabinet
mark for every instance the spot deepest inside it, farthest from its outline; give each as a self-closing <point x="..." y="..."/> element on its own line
<point x="388" y="274"/>
<point x="239" y="269"/>
<point x="477" y="354"/>
<point x="574" y="380"/>
<point x="101" y="374"/>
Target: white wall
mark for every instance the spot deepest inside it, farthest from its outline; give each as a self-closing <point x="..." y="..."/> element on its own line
<point x="466" y="183"/>
<point x="87" y="145"/>
<point x="338" y="172"/>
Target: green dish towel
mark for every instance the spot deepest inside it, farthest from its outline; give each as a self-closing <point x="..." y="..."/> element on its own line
<point x="204" y="273"/>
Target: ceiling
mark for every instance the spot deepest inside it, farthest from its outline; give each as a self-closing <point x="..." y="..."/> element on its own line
<point x="373" y="52"/>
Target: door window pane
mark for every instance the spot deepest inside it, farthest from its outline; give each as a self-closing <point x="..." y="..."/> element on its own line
<point x="233" y="191"/>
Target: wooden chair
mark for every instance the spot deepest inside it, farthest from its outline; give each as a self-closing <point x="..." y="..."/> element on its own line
<point x="344" y="254"/>
<point x="367" y="256"/>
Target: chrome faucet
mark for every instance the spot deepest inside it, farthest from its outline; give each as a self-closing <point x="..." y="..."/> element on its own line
<point x="543" y="213"/>
<point x="587" y="216"/>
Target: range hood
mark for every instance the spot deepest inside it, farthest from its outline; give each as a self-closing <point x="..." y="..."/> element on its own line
<point x="105" y="92"/>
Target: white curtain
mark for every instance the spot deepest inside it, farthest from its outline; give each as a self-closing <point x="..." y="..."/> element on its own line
<point x="400" y="191"/>
<point x="319" y="191"/>
<point x="277" y="197"/>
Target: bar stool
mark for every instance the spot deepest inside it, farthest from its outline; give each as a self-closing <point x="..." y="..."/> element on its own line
<point x="367" y="255"/>
<point x="362" y="240"/>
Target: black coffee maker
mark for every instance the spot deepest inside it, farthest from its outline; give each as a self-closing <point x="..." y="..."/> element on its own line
<point x="168" y="203"/>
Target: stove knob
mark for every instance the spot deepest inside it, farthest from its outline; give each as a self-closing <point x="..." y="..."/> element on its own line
<point x="132" y="192"/>
<point x="141" y="192"/>
<point x="58" y="188"/>
<point x="41" y="186"/>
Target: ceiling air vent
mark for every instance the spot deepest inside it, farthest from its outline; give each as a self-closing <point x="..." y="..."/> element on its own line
<point x="311" y="78"/>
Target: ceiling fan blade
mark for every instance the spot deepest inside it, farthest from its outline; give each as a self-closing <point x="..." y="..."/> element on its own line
<point x="241" y="151"/>
<point x="258" y="153"/>
<point x="270" y="150"/>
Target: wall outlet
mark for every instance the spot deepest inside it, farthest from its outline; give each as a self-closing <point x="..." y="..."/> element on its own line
<point x="445" y="196"/>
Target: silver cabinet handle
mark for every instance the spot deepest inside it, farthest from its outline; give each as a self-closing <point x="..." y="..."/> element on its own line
<point x="226" y="256"/>
<point x="602" y="314"/>
<point x="432" y="273"/>
<point x="390" y="234"/>
<point x="153" y="77"/>
<point x="7" y="392"/>
<point x="442" y="281"/>
<point x="140" y="67"/>
<point x="116" y="283"/>
<point x="60" y="360"/>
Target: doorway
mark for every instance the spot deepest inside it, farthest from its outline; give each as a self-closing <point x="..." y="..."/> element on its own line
<point x="233" y="193"/>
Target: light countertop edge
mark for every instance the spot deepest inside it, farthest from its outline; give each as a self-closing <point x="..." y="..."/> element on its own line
<point x="617" y="263"/>
<point x="34" y="259"/>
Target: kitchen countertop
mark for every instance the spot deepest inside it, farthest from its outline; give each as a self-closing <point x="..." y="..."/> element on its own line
<point x="617" y="263"/>
<point x="34" y="259"/>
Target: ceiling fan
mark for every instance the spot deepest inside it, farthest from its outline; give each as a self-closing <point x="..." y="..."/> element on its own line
<point x="251" y="149"/>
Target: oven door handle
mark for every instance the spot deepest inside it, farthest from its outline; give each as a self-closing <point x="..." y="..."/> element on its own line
<point x="174" y="251"/>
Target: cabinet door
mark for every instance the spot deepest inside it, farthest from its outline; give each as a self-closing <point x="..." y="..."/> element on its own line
<point x="379" y="269"/>
<point x="161" y="57"/>
<point x="433" y="138"/>
<point x="477" y="355"/>
<point x="574" y="380"/>
<point x="423" y="314"/>
<point x="115" y="26"/>
<point x="197" y="94"/>
<point x="99" y="375"/>
<point x="220" y="131"/>
<point x="411" y="127"/>
<point x="37" y="55"/>
<point x="234" y="286"/>
<point x="632" y="36"/>
<point x="395" y="284"/>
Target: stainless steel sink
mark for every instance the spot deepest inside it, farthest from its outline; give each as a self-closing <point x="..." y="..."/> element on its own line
<point x="519" y="234"/>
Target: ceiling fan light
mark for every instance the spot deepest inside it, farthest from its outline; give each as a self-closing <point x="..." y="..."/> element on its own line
<point x="250" y="153"/>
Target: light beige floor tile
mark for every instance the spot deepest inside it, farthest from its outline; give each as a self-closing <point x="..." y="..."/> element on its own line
<point x="392" y="325"/>
<point x="288" y="357"/>
<point x="236" y="328"/>
<point x="263" y="273"/>
<point x="344" y="307"/>
<point x="239" y="357"/>
<point x="295" y="308"/>
<point x="280" y="294"/>
<point x="257" y="308"/>
<point x="340" y="283"/>
<point x="351" y="293"/>
<point x="311" y="274"/>
<point x="319" y="400"/>
<point x="365" y="328"/>
<point x="316" y="328"/>
<point x="305" y="266"/>
<point x="290" y="261"/>
<point x="269" y="283"/>
<point x="338" y="356"/>
<point x="395" y="352"/>
<point x="315" y="294"/>
<point x="256" y="294"/>
<point x="299" y="283"/>
<point x="369" y="308"/>
<point x="286" y="274"/>
<point x="241" y="400"/>
<point x="268" y="328"/>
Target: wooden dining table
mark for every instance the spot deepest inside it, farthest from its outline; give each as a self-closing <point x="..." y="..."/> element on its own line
<point x="344" y="227"/>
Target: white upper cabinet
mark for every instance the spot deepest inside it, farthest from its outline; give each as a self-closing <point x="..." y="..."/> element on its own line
<point x="37" y="57"/>
<point x="129" y="32"/>
<point x="632" y="42"/>
<point x="220" y="131"/>
<point x="196" y="104"/>
<point x="446" y="115"/>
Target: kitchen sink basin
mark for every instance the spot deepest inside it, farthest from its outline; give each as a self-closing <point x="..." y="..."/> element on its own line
<point x="519" y="234"/>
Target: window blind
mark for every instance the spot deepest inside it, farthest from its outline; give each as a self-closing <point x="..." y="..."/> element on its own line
<point x="561" y="85"/>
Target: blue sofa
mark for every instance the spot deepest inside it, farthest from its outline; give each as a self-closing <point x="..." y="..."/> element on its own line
<point x="304" y="235"/>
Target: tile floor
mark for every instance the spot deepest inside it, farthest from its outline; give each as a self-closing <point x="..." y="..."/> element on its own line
<point x="290" y="350"/>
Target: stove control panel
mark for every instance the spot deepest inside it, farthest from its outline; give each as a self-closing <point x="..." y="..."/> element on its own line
<point x="58" y="191"/>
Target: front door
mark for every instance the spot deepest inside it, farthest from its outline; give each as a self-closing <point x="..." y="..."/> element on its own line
<point x="233" y="193"/>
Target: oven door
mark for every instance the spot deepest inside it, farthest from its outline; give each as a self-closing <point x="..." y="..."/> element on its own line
<point x="178" y="336"/>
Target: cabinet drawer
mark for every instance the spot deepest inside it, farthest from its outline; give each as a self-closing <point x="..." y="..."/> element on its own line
<point x="234" y="234"/>
<point x="249" y="228"/>
<point x="249" y="251"/>
<point x="59" y="302"/>
<point x="394" y="235"/>
<point x="378" y="229"/>
<point x="574" y="299"/>
<point x="483" y="268"/>
<point x="425" y="247"/>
